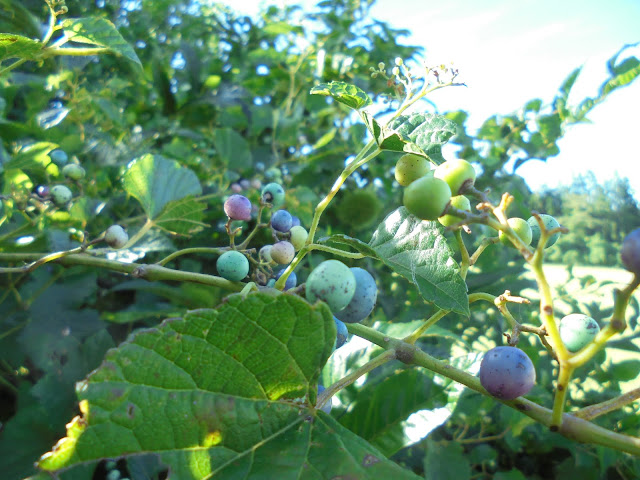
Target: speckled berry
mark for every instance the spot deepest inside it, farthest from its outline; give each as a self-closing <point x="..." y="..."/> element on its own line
<point x="281" y="221"/>
<point x="507" y="372"/>
<point x="577" y="330"/>
<point x="273" y="193"/>
<point x="238" y="207"/>
<point x="411" y="167"/>
<point x="549" y="223"/>
<point x="363" y="300"/>
<point x="522" y="230"/>
<point x="333" y="283"/>
<point x="61" y="195"/>
<point x="232" y="265"/>
<point x="283" y="252"/>
<point x="73" y="171"/>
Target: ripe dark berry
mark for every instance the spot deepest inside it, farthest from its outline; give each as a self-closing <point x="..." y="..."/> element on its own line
<point x="281" y="221"/>
<point x="507" y="373"/>
<point x="364" y="298"/>
<point x="342" y="334"/>
<point x="292" y="279"/>
<point x="630" y="252"/>
<point x="43" y="191"/>
<point x="238" y="207"/>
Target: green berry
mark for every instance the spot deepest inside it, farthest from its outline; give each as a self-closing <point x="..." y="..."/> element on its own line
<point x="411" y="167"/>
<point x="73" y="171"/>
<point x="232" y="265"/>
<point x="333" y="283"/>
<point x="549" y="223"/>
<point x="577" y="330"/>
<point x="273" y="193"/>
<point x="265" y="254"/>
<point x="116" y="237"/>
<point x="522" y="229"/>
<point x="461" y="203"/>
<point x="427" y="197"/>
<point x="283" y="252"/>
<point x="298" y="237"/>
<point x="458" y="173"/>
<point x="61" y="195"/>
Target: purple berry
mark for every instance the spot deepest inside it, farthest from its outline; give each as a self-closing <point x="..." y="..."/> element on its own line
<point x="507" y="373"/>
<point x="238" y="207"/>
<point x="341" y="333"/>
<point x="292" y="279"/>
<point x="295" y="222"/>
<point x="281" y="221"/>
<point x="630" y="251"/>
<point x="364" y="298"/>
<point x="43" y="192"/>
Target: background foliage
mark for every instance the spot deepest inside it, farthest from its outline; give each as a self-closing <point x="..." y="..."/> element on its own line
<point x="227" y="97"/>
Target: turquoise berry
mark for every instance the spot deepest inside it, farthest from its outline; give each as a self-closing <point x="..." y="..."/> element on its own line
<point x="364" y="298"/>
<point x="116" y="237"/>
<point x="232" y="265"/>
<point x="577" y="330"/>
<point x="549" y="223"/>
<point x="59" y="157"/>
<point x="333" y="283"/>
<point x="273" y="193"/>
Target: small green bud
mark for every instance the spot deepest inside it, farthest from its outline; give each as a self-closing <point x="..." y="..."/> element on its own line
<point x="398" y="61"/>
<point x="381" y="66"/>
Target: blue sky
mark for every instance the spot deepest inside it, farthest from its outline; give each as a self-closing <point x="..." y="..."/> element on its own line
<point x="509" y="52"/>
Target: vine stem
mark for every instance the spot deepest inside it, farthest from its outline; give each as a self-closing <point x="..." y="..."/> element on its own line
<point x="593" y="411"/>
<point x="432" y="320"/>
<point x="353" y="376"/>
<point x="572" y="427"/>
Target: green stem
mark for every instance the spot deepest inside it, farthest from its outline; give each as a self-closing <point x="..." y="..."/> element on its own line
<point x="188" y="251"/>
<point x="353" y="376"/>
<point x="148" y="224"/>
<point x="465" y="260"/>
<point x="432" y="320"/>
<point x="75" y="52"/>
<point x="562" y="387"/>
<point x="572" y="427"/>
<point x="15" y="64"/>
<point x="593" y="411"/>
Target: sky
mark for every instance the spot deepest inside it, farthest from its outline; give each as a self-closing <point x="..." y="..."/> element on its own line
<point x="508" y="52"/>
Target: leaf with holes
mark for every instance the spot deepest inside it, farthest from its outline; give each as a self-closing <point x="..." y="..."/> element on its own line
<point x="17" y="46"/>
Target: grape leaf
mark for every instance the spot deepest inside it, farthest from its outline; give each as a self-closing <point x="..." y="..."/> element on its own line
<point x="222" y="393"/>
<point x="354" y="243"/>
<point x="156" y="181"/>
<point x="101" y="32"/>
<point x="418" y="251"/>
<point x="17" y="46"/>
<point x="345" y="93"/>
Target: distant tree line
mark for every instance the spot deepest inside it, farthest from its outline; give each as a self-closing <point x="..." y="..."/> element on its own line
<point x="597" y="215"/>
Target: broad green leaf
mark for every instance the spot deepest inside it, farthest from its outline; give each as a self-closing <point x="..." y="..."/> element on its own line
<point x="381" y="408"/>
<point x="232" y="148"/>
<point x="345" y="93"/>
<point x="17" y="46"/>
<point x="156" y="181"/>
<point x="418" y="251"/>
<point x="100" y="32"/>
<point x="446" y="461"/>
<point x="354" y="243"/>
<point x="33" y="157"/>
<point x="428" y="131"/>
<point x="221" y="393"/>
<point x="183" y="217"/>
<point x="388" y="139"/>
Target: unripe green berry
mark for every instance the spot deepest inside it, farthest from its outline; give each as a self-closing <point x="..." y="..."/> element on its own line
<point x="522" y="229"/>
<point x="283" y="252"/>
<point x="265" y="254"/>
<point x="427" y="197"/>
<point x="577" y="330"/>
<point x="273" y="193"/>
<point x="549" y="223"/>
<point x="411" y="167"/>
<point x="73" y="171"/>
<point x="461" y="203"/>
<point x="298" y="237"/>
<point x="232" y="265"/>
<point x="458" y="173"/>
<point x="61" y="195"/>
<point x="116" y="237"/>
